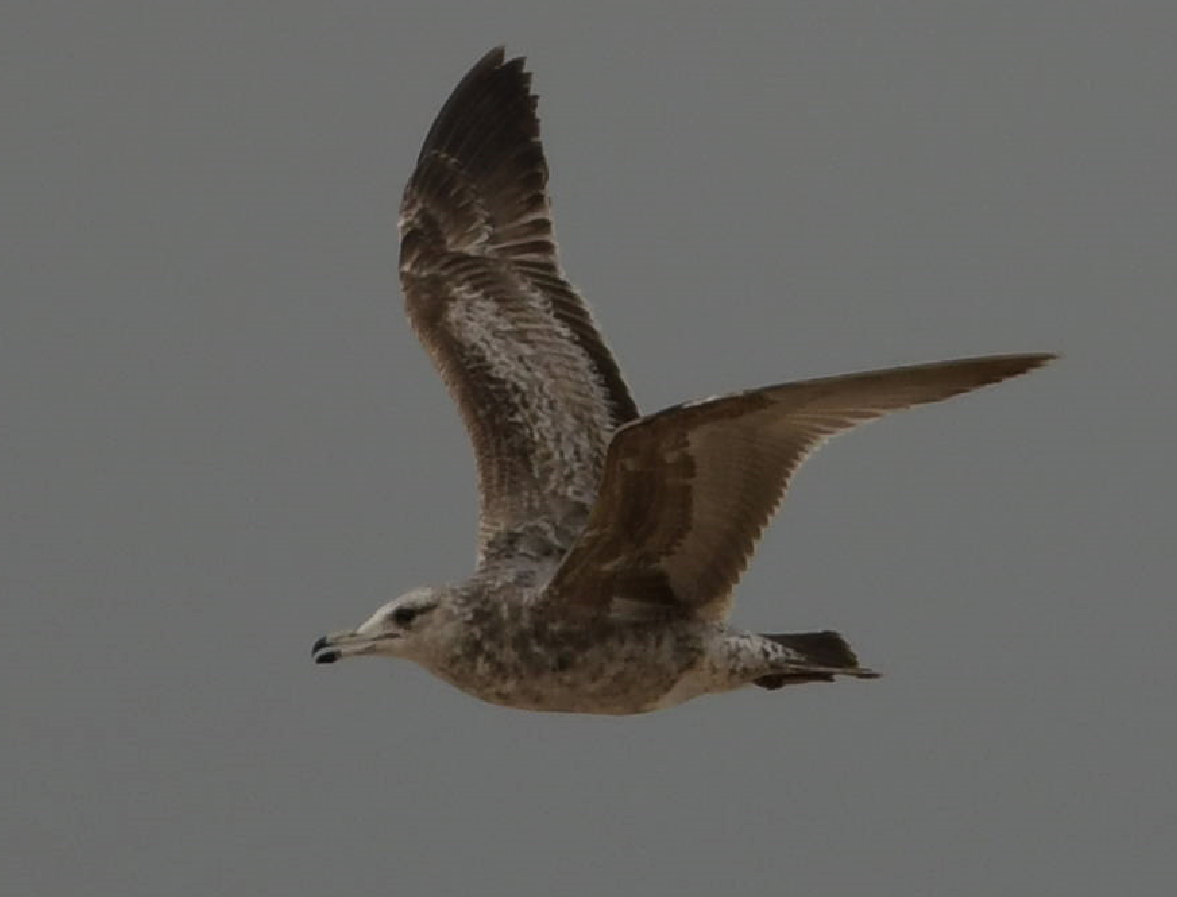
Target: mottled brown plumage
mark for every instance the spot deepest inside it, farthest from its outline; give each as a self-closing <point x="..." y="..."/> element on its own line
<point x="538" y="389"/>
<point x="609" y="544"/>
<point x="688" y="491"/>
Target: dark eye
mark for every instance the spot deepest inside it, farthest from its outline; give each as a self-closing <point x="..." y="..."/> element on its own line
<point x="404" y="615"/>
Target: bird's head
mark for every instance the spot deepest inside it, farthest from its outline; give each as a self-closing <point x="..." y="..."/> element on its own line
<point x="404" y="627"/>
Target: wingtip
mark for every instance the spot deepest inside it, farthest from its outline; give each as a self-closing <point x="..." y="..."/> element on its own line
<point x="1033" y="361"/>
<point x="988" y="370"/>
<point x="490" y="62"/>
<point x="1003" y="366"/>
<point x="496" y="57"/>
<point x="1040" y="358"/>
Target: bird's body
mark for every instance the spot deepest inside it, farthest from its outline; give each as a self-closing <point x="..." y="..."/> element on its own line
<point x="496" y="646"/>
<point x="491" y="637"/>
<point x="609" y="543"/>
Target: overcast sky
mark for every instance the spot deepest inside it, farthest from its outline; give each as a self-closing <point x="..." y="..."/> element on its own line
<point x="221" y="440"/>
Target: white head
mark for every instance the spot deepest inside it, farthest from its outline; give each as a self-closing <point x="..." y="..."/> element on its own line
<point x="404" y="627"/>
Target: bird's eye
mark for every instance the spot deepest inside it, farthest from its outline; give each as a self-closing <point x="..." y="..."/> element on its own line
<point x="403" y="616"/>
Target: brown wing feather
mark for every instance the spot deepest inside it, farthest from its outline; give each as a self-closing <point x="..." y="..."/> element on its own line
<point x="688" y="491"/>
<point x="538" y="389"/>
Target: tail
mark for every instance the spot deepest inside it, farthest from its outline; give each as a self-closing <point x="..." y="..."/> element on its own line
<point x="824" y="656"/>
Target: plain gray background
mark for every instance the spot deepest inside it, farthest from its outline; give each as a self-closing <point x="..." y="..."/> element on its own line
<point x="221" y="440"/>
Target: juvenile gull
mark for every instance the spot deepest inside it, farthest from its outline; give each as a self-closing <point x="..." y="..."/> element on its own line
<point x="609" y="544"/>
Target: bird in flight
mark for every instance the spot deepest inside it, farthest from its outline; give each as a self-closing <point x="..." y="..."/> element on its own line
<point x="609" y="543"/>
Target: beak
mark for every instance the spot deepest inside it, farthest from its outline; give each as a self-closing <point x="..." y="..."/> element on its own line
<point x="340" y="645"/>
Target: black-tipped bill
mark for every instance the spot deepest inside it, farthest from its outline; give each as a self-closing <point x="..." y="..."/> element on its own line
<point x="342" y="645"/>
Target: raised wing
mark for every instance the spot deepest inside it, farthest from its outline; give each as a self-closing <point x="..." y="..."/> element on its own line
<point x="688" y="491"/>
<point x="538" y="389"/>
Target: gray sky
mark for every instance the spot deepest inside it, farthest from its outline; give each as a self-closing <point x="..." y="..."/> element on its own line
<point x="222" y="440"/>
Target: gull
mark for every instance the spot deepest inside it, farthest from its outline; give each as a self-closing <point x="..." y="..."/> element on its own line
<point x="609" y="543"/>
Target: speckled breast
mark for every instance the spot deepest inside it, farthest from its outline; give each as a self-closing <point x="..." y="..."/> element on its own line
<point x="516" y="659"/>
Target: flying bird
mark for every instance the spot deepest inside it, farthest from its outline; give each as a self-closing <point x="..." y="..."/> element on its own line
<point x="609" y="543"/>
